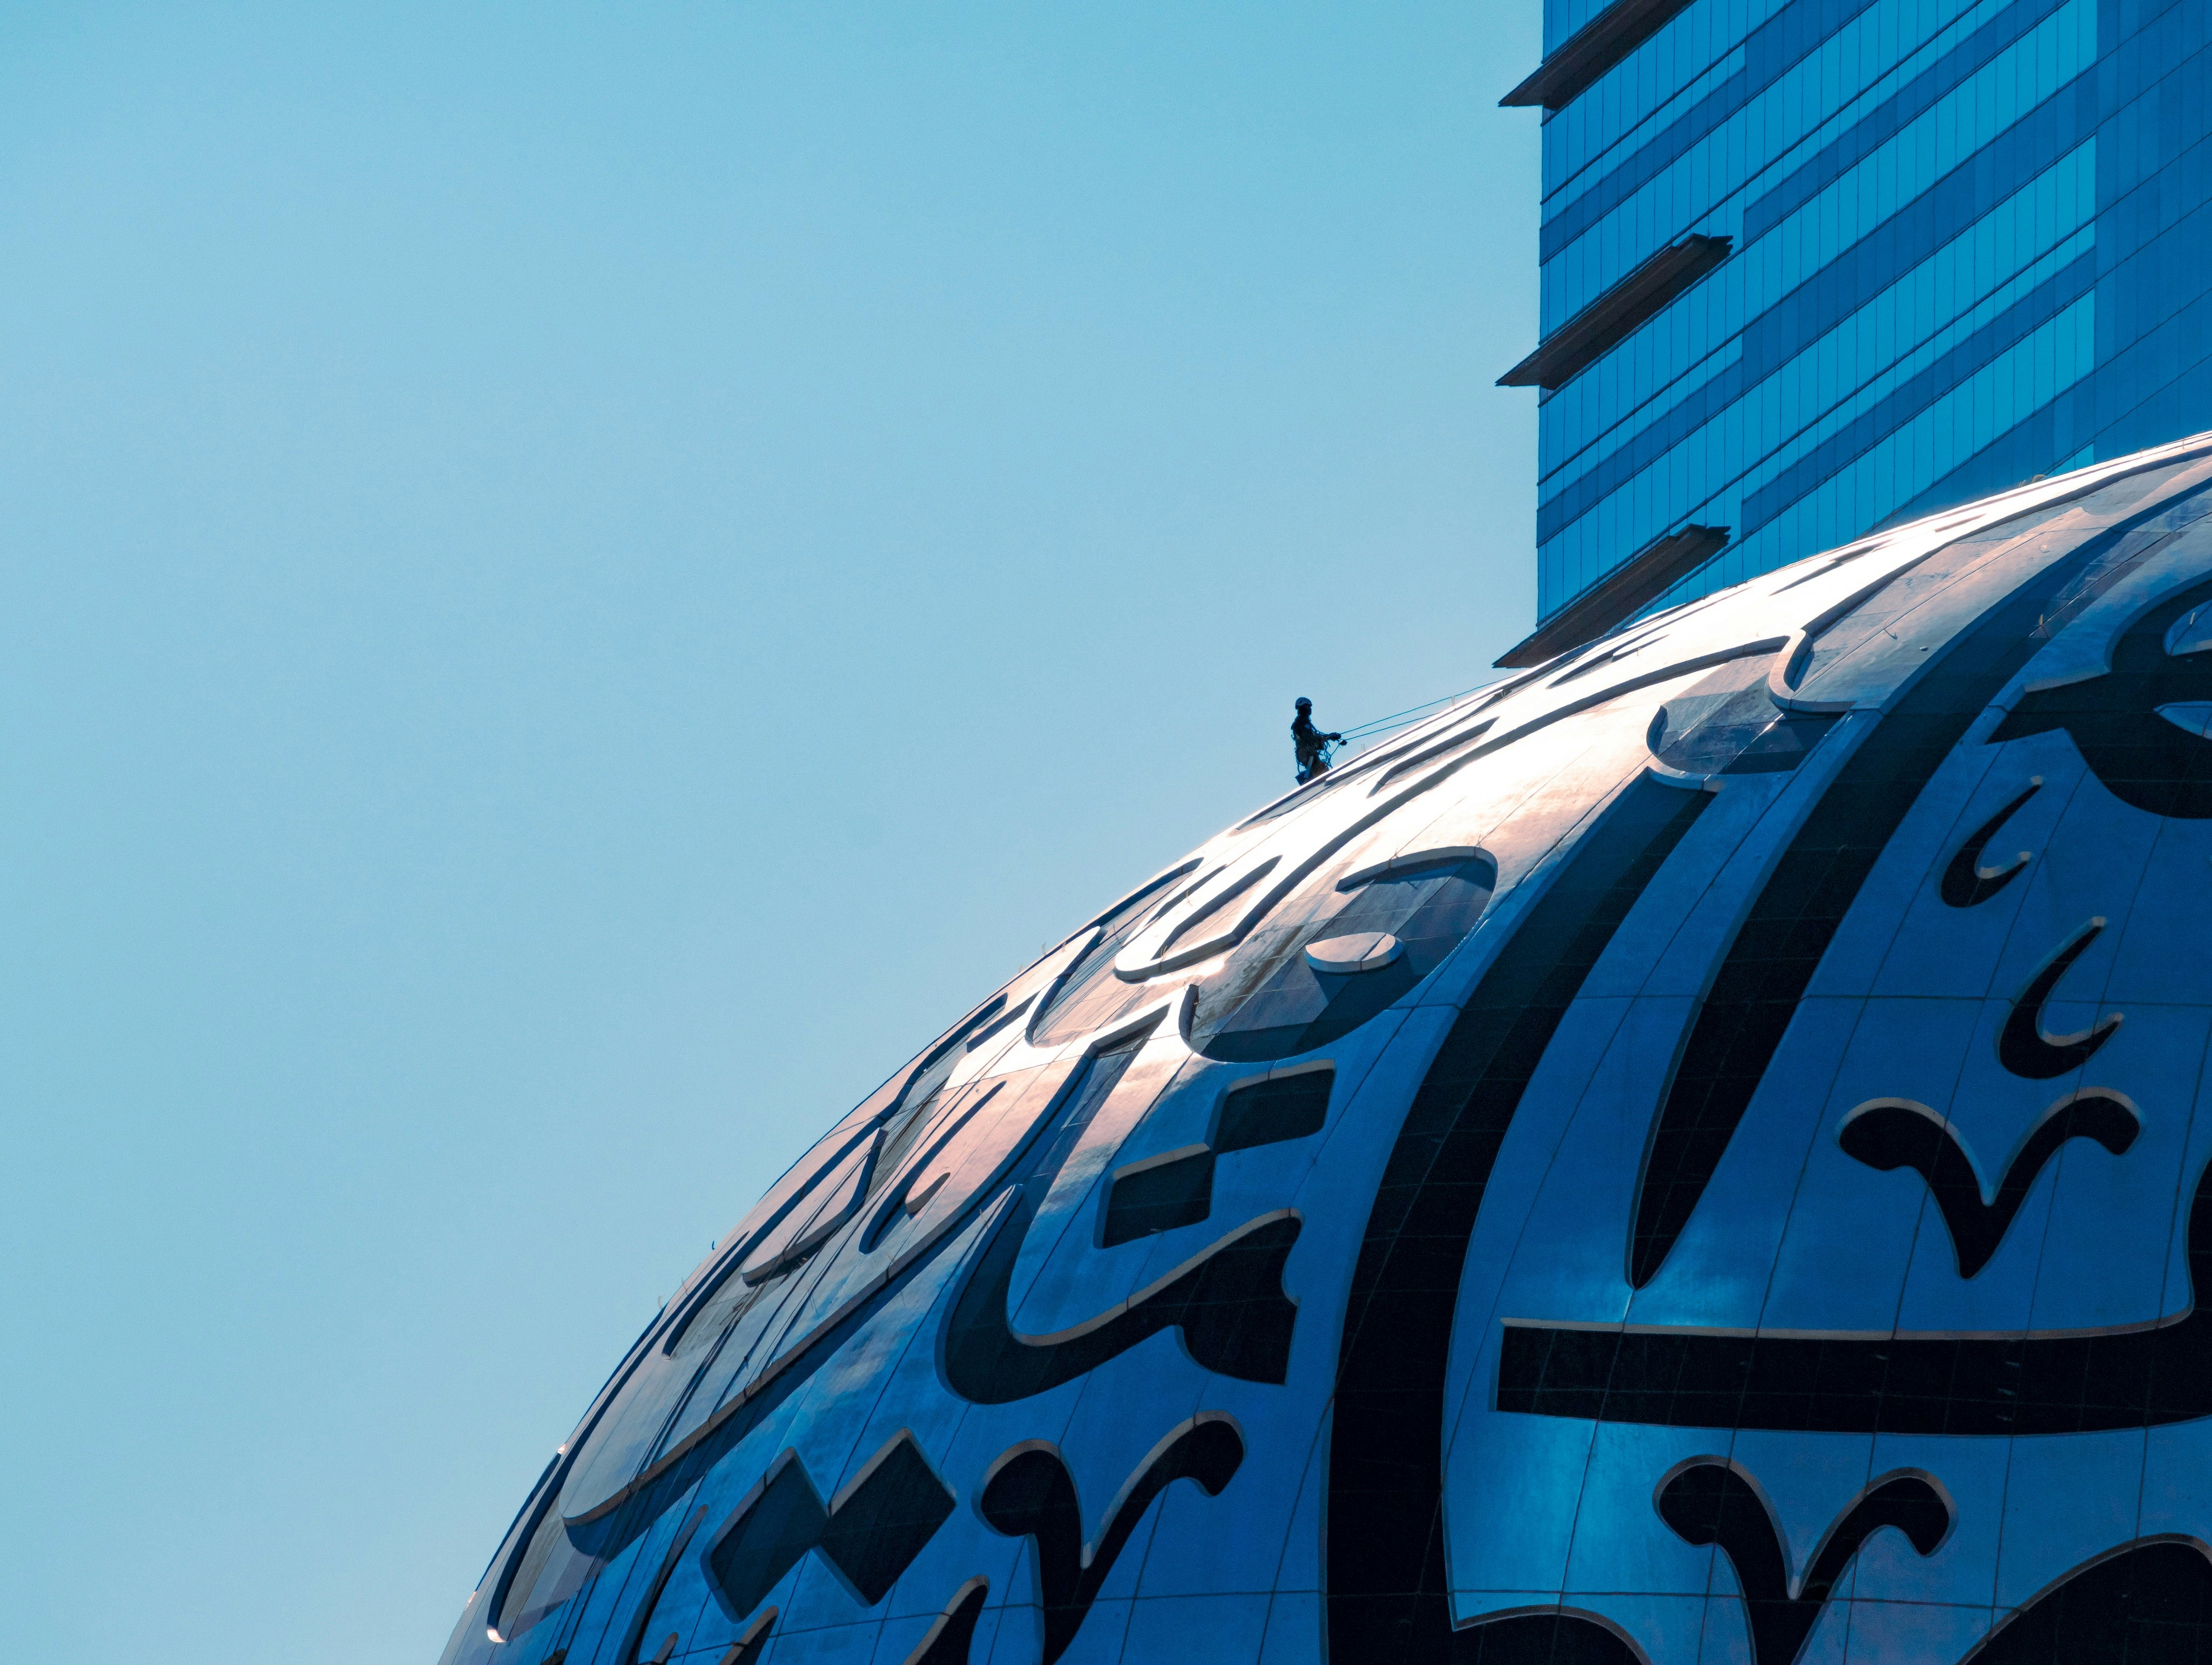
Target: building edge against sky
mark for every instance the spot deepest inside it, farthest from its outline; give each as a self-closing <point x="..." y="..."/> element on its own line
<point x="1514" y="1198"/>
<point x="1810" y="267"/>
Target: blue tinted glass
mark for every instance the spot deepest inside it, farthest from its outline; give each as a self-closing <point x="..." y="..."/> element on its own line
<point x="1969" y="246"/>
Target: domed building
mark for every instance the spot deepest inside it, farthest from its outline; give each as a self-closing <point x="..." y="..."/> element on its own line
<point x="1691" y="1155"/>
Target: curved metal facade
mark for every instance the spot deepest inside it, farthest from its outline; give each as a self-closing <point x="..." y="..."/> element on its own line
<point x="1693" y="1154"/>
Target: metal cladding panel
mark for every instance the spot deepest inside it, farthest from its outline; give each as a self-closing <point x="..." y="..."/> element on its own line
<point x="1759" y="1217"/>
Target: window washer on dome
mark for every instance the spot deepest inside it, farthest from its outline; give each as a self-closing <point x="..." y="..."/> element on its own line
<point x="1311" y="744"/>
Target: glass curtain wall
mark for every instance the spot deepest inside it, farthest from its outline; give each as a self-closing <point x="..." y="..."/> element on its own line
<point x="1967" y="242"/>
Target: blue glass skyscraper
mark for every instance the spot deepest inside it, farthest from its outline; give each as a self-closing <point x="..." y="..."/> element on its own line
<point x="1810" y="266"/>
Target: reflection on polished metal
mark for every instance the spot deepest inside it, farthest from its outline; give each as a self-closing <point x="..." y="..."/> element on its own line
<point x="1644" y="1166"/>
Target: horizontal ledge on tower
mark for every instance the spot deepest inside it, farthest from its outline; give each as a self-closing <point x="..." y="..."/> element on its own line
<point x="1618" y="313"/>
<point x="1619" y="596"/>
<point x="1590" y="50"/>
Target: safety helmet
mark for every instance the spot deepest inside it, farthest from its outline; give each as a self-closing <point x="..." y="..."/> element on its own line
<point x="1305" y="705"/>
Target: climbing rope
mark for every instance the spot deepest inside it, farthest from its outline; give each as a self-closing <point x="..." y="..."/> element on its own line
<point x="1411" y="715"/>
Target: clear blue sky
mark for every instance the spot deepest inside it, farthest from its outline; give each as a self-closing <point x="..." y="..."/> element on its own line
<point x="578" y="581"/>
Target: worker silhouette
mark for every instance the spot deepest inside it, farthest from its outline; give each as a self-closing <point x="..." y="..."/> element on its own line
<point x="1311" y="744"/>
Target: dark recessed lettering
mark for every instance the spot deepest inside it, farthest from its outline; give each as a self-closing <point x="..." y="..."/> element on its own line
<point x="1985" y="1385"/>
<point x="1745" y="1012"/>
<point x="1891" y="1134"/>
<point x="1158" y="1196"/>
<point x="2023" y="1047"/>
<point x="1965" y="881"/>
<point x="1267" y="1113"/>
<point x="2143" y="758"/>
<point x="870" y="1535"/>
<point x="947" y="1639"/>
<point x="1388" y="1596"/>
<point x="1228" y="1300"/>
<point x="1708" y="1502"/>
<point x="2149" y="1605"/>
<point x="1028" y="1492"/>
